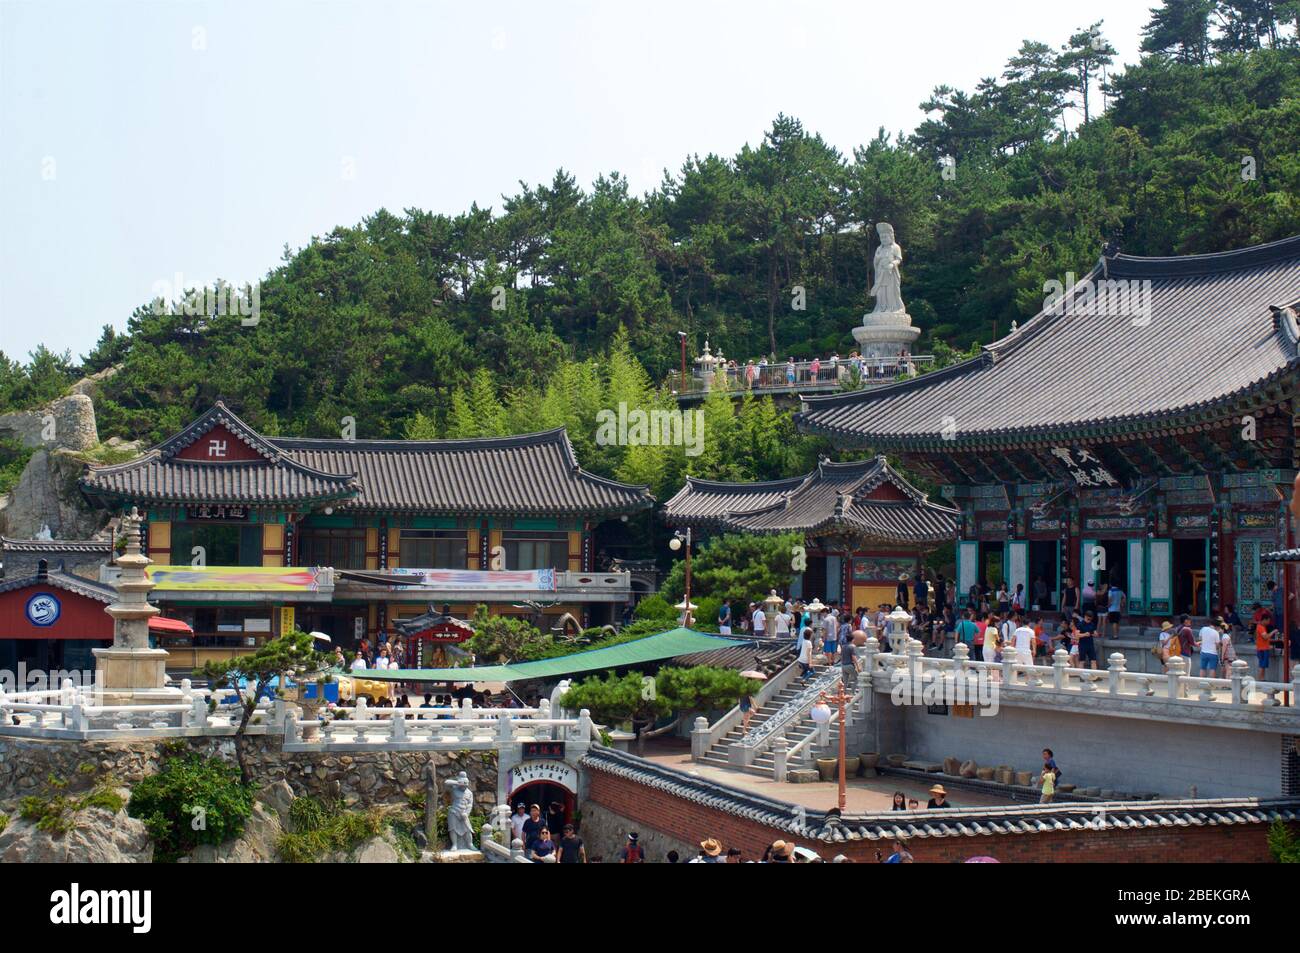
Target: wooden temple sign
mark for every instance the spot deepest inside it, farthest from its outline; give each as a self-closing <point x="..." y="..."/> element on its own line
<point x="217" y="511"/>
<point x="1083" y="467"/>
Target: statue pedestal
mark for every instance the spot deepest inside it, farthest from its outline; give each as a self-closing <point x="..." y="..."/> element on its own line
<point x="884" y="334"/>
<point x="128" y="676"/>
<point x="458" y="857"/>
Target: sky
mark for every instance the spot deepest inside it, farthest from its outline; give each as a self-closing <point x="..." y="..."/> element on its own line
<point x="145" y="145"/>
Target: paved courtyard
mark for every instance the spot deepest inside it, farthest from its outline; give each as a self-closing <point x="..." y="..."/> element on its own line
<point x="865" y="795"/>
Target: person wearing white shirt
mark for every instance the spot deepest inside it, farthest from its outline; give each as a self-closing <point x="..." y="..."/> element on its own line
<point x="758" y="622"/>
<point x="359" y="662"/>
<point x="517" y="820"/>
<point x="1208" y="642"/>
<point x="782" y="624"/>
<point x="805" y="648"/>
<point x="1023" y="638"/>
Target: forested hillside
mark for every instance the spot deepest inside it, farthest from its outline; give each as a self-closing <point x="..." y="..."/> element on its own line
<point x="399" y="322"/>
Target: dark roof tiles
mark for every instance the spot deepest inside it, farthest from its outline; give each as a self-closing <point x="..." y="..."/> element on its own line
<point x="834" y="497"/>
<point x="1212" y="334"/>
<point x="533" y="474"/>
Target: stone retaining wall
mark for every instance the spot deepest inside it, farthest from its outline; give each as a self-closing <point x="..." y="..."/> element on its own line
<point x="27" y="765"/>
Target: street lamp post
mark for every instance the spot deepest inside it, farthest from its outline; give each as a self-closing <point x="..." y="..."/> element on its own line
<point x="681" y="337"/>
<point x="840" y="700"/>
<point x="675" y="544"/>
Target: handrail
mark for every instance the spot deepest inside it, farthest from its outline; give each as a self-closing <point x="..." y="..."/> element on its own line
<point x="793" y="710"/>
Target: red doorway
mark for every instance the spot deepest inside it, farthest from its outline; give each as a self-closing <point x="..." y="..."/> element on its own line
<point x="543" y="794"/>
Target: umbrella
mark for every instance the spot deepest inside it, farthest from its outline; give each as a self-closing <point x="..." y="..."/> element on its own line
<point x="163" y="624"/>
<point x="759" y="676"/>
<point x="982" y="860"/>
<point x="321" y="637"/>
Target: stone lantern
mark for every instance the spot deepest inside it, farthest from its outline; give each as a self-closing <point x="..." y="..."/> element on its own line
<point x="705" y="364"/>
<point x="771" y="606"/>
<point x="897" y="623"/>
<point x="130" y="672"/>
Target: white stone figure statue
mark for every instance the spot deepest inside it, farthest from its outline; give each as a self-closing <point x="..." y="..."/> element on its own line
<point x="462" y="802"/>
<point x="887" y="333"/>
<point x="888" y="289"/>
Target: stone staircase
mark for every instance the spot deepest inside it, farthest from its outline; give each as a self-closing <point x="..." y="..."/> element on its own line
<point x="719" y="755"/>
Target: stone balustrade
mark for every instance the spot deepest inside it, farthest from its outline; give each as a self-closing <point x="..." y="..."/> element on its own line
<point x="74" y="713"/>
<point x="1240" y="700"/>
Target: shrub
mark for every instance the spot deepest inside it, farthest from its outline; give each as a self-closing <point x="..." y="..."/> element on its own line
<point x="321" y="827"/>
<point x="191" y="792"/>
<point x="1283" y="844"/>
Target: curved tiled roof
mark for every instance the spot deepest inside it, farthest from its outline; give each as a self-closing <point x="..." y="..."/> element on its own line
<point x="66" y="581"/>
<point x="954" y="822"/>
<point x="532" y="474"/>
<point x="1220" y="327"/>
<point x="8" y="544"/>
<point x="833" y="498"/>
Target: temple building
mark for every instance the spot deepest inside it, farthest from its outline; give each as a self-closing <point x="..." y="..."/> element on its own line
<point x="1141" y="428"/>
<point x="865" y="526"/>
<point x="252" y="535"/>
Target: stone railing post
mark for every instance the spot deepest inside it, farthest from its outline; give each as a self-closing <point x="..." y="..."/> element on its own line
<point x="1116" y="666"/>
<point x="505" y="729"/>
<point x="1008" y="665"/>
<point x="1295" y="684"/>
<point x="1060" y="665"/>
<point x="583" y="730"/>
<point x="516" y="850"/>
<point x="780" y="755"/>
<point x="397" y="725"/>
<point x="290" y="723"/>
<point x="503" y="828"/>
<point x="1237" y="672"/>
<point x="699" y="737"/>
<point x="544" y="712"/>
<point x="361" y="714"/>
<point x="915" y="652"/>
<point x="1177" y="669"/>
<point x="869" y="652"/>
<point x="199" y="712"/>
<point x="66" y="692"/>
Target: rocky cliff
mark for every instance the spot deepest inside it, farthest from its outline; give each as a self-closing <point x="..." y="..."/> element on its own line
<point x="64" y="438"/>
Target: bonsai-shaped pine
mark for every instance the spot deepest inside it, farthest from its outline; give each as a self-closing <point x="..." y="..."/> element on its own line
<point x="291" y="656"/>
<point x="643" y="700"/>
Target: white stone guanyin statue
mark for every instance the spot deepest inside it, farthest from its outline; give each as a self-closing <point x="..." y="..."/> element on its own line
<point x="887" y="332"/>
<point x="888" y="289"/>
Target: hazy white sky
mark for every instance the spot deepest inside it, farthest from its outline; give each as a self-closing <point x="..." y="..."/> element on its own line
<point x="144" y="140"/>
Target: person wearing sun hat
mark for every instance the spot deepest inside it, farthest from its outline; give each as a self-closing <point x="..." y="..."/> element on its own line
<point x="710" y="852"/>
<point x="781" y="852"/>
<point x="938" y="798"/>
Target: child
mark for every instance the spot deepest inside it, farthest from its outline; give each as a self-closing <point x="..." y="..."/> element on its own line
<point x="1048" y="778"/>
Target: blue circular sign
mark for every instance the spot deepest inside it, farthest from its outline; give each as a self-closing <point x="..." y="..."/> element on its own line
<point x="43" y="609"/>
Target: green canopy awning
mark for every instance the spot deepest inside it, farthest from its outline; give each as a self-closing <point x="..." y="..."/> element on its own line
<point x="652" y="648"/>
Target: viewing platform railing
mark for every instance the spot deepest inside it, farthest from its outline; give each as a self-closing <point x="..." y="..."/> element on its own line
<point x="818" y="376"/>
<point x="76" y="713"/>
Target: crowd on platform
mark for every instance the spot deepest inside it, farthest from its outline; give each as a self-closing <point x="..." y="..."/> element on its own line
<point x="832" y="370"/>
<point x="997" y="620"/>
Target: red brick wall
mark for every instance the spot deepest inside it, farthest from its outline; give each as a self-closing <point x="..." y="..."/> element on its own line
<point x="691" y="822"/>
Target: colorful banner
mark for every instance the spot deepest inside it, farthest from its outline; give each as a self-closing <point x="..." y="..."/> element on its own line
<point x="541" y="580"/>
<point x="233" y="578"/>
